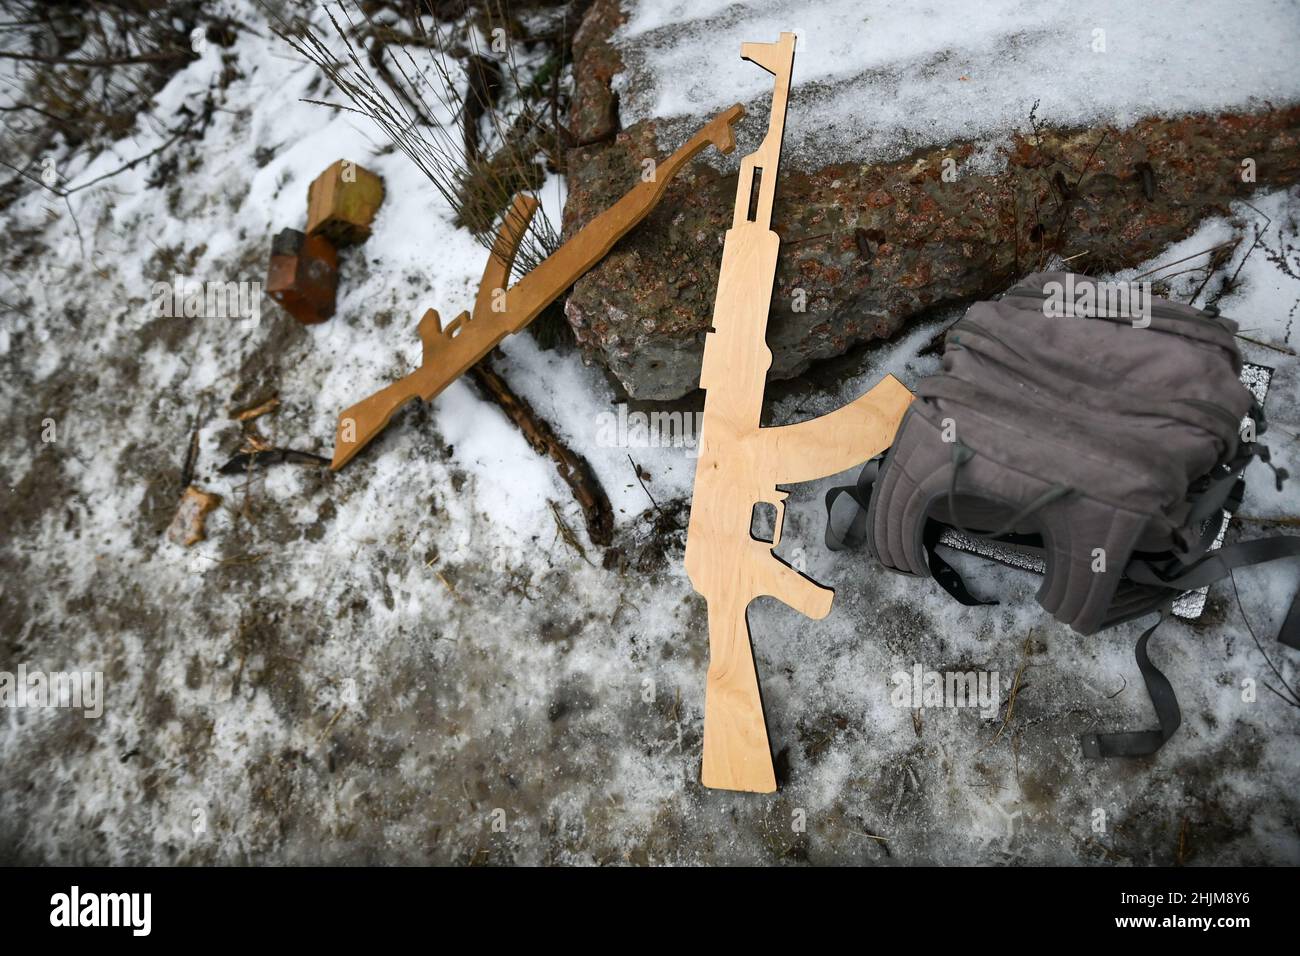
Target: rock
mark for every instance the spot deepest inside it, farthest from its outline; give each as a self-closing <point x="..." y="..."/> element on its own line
<point x="868" y="248"/>
<point x="593" y="110"/>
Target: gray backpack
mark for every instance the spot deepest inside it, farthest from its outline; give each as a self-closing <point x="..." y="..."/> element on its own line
<point x="1106" y="441"/>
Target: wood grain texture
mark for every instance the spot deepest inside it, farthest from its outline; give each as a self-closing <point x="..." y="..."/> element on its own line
<point x="740" y="464"/>
<point x="498" y="312"/>
<point x="342" y="203"/>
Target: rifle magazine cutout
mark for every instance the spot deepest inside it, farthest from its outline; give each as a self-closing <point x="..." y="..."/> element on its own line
<point x="498" y="312"/>
<point x="740" y="464"/>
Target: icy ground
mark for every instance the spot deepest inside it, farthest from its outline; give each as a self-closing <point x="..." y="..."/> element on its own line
<point x="406" y="662"/>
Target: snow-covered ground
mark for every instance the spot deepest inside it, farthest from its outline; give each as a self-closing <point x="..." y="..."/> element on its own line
<point x="406" y="661"/>
<point x="876" y="79"/>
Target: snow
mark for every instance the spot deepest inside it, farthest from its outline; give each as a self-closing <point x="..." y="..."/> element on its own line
<point x="372" y="685"/>
<point x="877" y="79"/>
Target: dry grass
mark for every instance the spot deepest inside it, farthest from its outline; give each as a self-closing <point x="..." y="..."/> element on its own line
<point x="473" y="120"/>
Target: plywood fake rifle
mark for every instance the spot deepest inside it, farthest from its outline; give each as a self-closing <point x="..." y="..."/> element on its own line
<point x="741" y="464"/>
<point x="450" y="350"/>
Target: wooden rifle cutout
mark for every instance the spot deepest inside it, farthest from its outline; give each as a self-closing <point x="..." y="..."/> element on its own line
<point x="741" y="464"/>
<point x="449" y="351"/>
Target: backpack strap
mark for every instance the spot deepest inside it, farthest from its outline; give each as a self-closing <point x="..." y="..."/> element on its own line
<point x="1217" y="564"/>
<point x="903" y="535"/>
<point x="1223" y="494"/>
<point x="944" y="574"/>
<point x="1071" y="590"/>
<point x="1290" y="633"/>
<point x="1141" y="743"/>
<point x="1085" y="543"/>
<point x="847" y="528"/>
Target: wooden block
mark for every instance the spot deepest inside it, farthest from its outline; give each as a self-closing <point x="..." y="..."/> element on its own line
<point x="303" y="275"/>
<point x="342" y="203"/>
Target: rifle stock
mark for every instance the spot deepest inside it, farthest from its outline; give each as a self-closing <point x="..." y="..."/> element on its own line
<point x="740" y="463"/>
<point x="499" y="312"/>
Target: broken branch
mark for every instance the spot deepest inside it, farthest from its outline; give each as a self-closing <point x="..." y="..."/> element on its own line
<point x="573" y="468"/>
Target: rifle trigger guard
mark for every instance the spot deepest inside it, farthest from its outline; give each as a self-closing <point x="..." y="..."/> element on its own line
<point x="777" y="501"/>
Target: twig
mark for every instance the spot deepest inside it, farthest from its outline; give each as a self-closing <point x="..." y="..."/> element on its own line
<point x="1266" y="345"/>
<point x="81" y="242"/>
<point x="330" y="726"/>
<point x="450" y="587"/>
<point x="245" y="461"/>
<point x="64" y="193"/>
<point x="1291" y="521"/>
<point x="622" y="603"/>
<point x="240" y="559"/>
<point x="100" y="62"/>
<point x="18" y="107"/>
<point x="191" y="454"/>
<point x="1011" y="701"/>
<point x="1084" y="171"/>
<point x="573" y="467"/>
<point x="1219" y="258"/>
<point x="562" y="530"/>
<point x="1259" y="234"/>
<point x="1230" y="242"/>
<point x="333" y="106"/>
<point x="257" y="411"/>
<point x="1294" y="700"/>
<point x="637" y="469"/>
<point x="1069" y="199"/>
